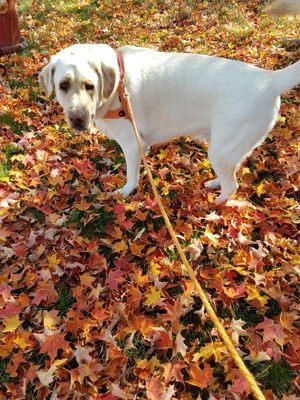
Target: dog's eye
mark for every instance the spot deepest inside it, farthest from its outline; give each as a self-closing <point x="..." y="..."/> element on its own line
<point x="89" y="86"/>
<point x="64" y="86"/>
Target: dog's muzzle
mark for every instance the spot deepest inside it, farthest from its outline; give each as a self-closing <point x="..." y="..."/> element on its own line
<point x="78" y="120"/>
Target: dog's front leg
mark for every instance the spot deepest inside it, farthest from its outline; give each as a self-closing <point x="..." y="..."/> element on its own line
<point x="121" y="131"/>
<point x="133" y="163"/>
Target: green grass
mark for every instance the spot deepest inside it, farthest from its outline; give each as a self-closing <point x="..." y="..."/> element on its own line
<point x="16" y="127"/>
<point x="30" y="392"/>
<point x="3" y="374"/>
<point x="138" y="351"/>
<point x="36" y="214"/>
<point x="10" y="150"/>
<point x="243" y="310"/>
<point x="4" y="171"/>
<point x="24" y="6"/>
<point x="65" y="299"/>
<point x="276" y="376"/>
<point x="97" y="226"/>
<point x="76" y="217"/>
<point x="5" y="165"/>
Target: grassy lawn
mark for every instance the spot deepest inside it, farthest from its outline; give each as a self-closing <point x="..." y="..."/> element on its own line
<point x="94" y="302"/>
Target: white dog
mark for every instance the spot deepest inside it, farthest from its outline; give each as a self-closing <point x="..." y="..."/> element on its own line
<point x="232" y="105"/>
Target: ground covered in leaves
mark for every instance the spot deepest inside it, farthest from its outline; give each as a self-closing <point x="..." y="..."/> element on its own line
<point x="94" y="301"/>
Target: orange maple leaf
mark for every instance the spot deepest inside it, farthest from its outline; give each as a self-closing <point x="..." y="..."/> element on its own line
<point x="51" y="343"/>
<point x="200" y="377"/>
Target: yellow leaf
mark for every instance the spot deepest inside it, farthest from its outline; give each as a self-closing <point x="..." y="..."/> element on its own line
<point x="253" y="294"/>
<point x="216" y="349"/>
<point x="151" y="364"/>
<point x="205" y="164"/>
<point x="117" y="233"/>
<point x="53" y="261"/>
<point x="156" y="181"/>
<point x="259" y="189"/>
<point x="240" y="270"/>
<point x="51" y="193"/>
<point x="22" y="340"/>
<point x="55" y="149"/>
<point x="245" y="171"/>
<point x="165" y="190"/>
<point x="50" y="318"/>
<point x="56" y="180"/>
<point x="153" y="297"/>
<point x="210" y="198"/>
<point x="11" y="323"/>
<point x="281" y="119"/>
<point x="16" y="173"/>
<point x="21" y="185"/>
<point x="212" y="237"/>
<point x="120" y="246"/>
<point x="295" y="259"/>
<point x="17" y="157"/>
<point x="155" y="268"/>
<point x="162" y="154"/>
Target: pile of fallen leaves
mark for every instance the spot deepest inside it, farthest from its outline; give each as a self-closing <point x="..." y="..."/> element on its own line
<point x="94" y="302"/>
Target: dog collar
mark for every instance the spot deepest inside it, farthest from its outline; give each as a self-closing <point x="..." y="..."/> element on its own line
<point x="121" y="112"/>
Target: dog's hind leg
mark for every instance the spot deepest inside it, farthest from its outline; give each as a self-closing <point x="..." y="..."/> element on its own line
<point x="230" y="145"/>
<point x="225" y="169"/>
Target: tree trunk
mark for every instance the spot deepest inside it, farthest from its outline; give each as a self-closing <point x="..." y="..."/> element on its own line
<point x="10" y="36"/>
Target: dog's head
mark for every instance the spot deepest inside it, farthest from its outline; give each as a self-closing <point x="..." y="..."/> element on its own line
<point x="84" y="77"/>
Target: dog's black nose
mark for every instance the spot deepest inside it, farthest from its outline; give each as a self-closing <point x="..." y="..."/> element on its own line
<point x="77" y="119"/>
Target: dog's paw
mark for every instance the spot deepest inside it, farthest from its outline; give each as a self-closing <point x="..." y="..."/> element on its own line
<point x="220" y="201"/>
<point x="125" y="190"/>
<point x="213" y="184"/>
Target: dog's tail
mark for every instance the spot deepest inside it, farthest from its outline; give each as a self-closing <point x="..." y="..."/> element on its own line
<point x="284" y="7"/>
<point x="287" y="78"/>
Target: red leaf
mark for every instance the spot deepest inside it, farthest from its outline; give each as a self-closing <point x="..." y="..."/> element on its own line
<point x="272" y="331"/>
<point x="45" y="293"/>
<point x="51" y="343"/>
<point x="84" y="167"/>
<point x="115" y="277"/>
<point x="235" y="291"/>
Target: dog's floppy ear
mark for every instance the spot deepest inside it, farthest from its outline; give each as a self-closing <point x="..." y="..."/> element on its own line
<point x="46" y="78"/>
<point x="107" y="80"/>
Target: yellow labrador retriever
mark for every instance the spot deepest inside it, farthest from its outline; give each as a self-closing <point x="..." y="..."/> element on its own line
<point x="230" y="104"/>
